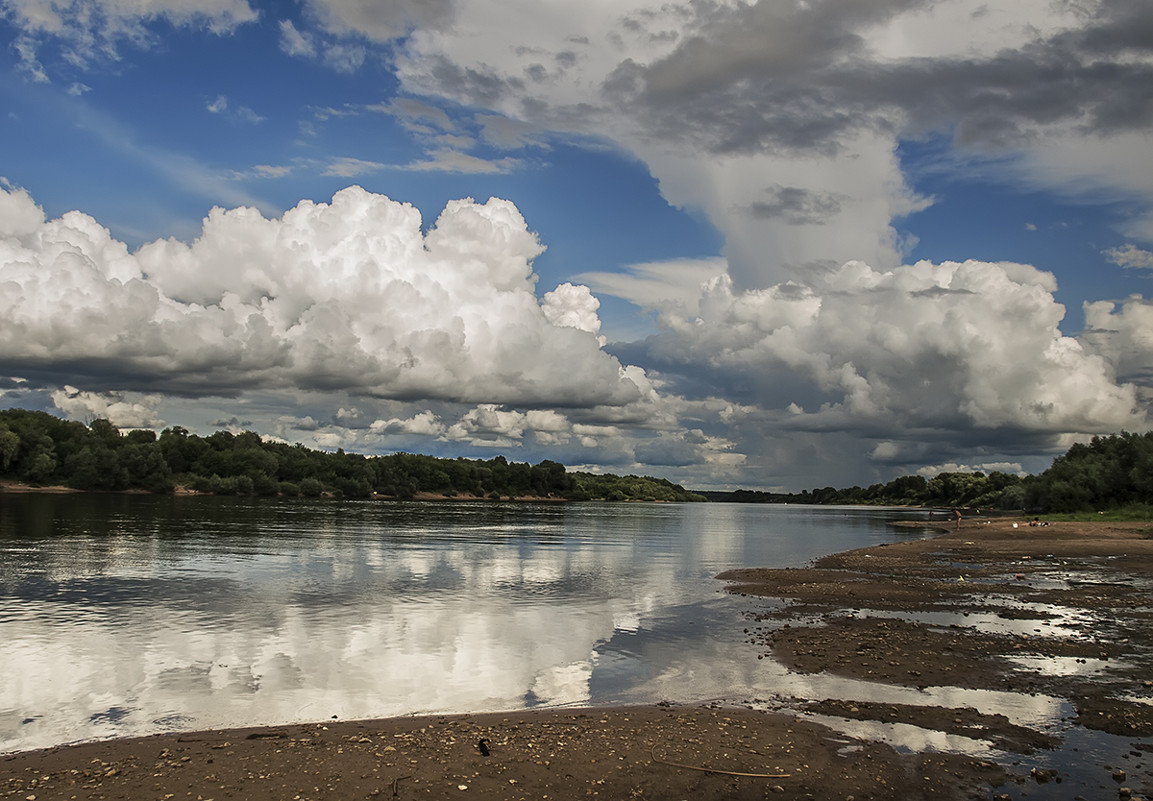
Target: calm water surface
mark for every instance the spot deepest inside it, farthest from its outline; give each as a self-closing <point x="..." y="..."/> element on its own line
<point x="125" y="615"/>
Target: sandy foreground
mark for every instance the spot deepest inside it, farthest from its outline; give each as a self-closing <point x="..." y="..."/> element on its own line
<point x="857" y="614"/>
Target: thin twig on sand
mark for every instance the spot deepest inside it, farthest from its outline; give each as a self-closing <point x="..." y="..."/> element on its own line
<point x="653" y="753"/>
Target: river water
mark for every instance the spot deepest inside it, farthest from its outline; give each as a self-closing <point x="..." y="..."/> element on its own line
<point x="126" y="615"/>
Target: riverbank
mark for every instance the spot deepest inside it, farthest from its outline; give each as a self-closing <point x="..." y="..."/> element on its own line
<point x="1062" y="610"/>
<point x="657" y="752"/>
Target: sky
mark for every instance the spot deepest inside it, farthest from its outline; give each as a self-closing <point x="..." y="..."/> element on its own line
<point x="774" y="245"/>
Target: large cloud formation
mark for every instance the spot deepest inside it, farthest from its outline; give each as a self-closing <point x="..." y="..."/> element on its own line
<point x="811" y="346"/>
<point x="441" y="335"/>
<point x="781" y="121"/>
<point x="349" y="294"/>
<point x="913" y="358"/>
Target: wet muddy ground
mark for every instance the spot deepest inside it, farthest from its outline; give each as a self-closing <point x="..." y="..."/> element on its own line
<point x="654" y="752"/>
<point x="1064" y="611"/>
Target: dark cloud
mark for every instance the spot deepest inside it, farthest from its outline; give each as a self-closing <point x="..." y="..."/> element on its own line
<point x="757" y="78"/>
<point x="1005" y="99"/>
<point x="230" y="422"/>
<point x="484" y="87"/>
<point x="566" y="59"/>
<point x="797" y="205"/>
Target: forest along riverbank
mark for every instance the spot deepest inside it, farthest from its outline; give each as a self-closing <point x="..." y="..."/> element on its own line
<point x="876" y="614"/>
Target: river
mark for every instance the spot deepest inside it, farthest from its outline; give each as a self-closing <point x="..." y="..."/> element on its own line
<point x="123" y="615"/>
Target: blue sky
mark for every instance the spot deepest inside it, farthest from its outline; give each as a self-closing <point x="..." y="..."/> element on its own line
<point x="768" y="245"/>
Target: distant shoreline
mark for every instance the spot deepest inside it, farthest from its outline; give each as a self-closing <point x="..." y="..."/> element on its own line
<point x="16" y="488"/>
<point x="180" y="490"/>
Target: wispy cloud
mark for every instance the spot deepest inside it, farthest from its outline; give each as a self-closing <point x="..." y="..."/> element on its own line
<point x="1130" y="257"/>
<point x="349" y="167"/>
<point x="454" y="161"/>
<point x="184" y="173"/>
<point x="91" y="33"/>
<point x="221" y="105"/>
<point x="263" y="172"/>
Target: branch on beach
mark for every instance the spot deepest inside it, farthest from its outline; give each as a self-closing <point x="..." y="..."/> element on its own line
<point x="659" y="761"/>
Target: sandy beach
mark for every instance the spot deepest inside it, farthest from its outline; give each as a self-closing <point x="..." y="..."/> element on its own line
<point x="858" y="614"/>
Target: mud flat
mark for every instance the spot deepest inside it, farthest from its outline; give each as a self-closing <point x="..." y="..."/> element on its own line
<point x="657" y="752"/>
<point x="1063" y="611"/>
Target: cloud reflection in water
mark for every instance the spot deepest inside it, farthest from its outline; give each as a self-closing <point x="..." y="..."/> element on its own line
<point x="363" y="610"/>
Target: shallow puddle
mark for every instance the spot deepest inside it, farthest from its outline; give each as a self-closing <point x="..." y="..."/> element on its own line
<point x="1057" y="622"/>
<point x="1064" y="665"/>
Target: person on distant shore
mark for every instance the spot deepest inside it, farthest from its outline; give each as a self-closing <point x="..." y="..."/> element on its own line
<point x="957" y="516"/>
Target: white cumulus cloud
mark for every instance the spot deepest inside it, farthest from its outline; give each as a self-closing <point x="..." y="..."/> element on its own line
<point x="349" y="294"/>
<point x="1123" y="334"/>
<point x="970" y="345"/>
<point x="572" y="306"/>
<point x="423" y="424"/>
<point x="114" y="407"/>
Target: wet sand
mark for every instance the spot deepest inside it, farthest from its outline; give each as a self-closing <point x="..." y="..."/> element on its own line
<point x="621" y="753"/>
<point x="1064" y="610"/>
<point x="858" y="614"/>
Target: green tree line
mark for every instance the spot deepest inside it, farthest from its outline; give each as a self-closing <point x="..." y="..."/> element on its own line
<point x="1107" y="473"/>
<point x="40" y="449"/>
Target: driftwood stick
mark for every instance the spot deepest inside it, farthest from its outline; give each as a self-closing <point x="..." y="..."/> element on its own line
<point x="396" y="781"/>
<point x="653" y="753"/>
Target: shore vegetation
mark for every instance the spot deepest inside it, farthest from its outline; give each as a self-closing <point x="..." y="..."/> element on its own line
<point x="1110" y="474"/>
<point x="39" y="449"/>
